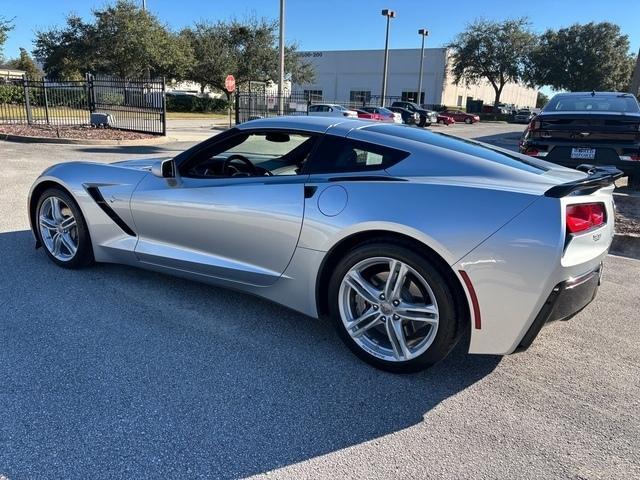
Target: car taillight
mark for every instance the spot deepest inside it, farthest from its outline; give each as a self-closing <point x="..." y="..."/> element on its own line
<point x="585" y="216"/>
<point x="632" y="157"/>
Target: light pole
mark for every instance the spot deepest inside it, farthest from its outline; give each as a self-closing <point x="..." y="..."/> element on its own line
<point x="389" y="14"/>
<point x="281" y="61"/>
<point x="424" y="33"/>
<point x="144" y="4"/>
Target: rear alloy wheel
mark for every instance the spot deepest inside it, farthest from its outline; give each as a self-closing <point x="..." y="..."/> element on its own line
<point x="393" y="308"/>
<point x="62" y="229"/>
<point x="468" y="121"/>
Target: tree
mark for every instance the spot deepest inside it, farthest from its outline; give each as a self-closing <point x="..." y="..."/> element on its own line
<point x="247" y="49"/>
<point x="493" y="51"/>
<point x="26" y="64"/>
<point x="5" y="27"/>
<point x="594" y="56"/>
<point x="122" y="40"/>
<point x="542" y="100"/>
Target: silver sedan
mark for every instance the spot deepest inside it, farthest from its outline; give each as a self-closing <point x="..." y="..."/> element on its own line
<point x="406" y="239"/>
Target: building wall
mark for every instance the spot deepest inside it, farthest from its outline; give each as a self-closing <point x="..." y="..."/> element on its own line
<point x="512" y="93"/>
<point x="340" y="72"/>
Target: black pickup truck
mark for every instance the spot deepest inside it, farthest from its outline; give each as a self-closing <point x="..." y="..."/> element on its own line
<point x="597" y="128"/>
<point x="427" y="117"/>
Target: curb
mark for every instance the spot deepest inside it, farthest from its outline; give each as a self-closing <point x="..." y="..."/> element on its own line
<point x="625" y="245"/>
<point x="80" y="141"/>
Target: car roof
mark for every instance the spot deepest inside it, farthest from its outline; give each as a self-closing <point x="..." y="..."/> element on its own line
<point x="299" y="122"/>
<point x="603" y="94"/>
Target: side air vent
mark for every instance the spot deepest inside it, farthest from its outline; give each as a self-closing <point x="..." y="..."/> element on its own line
<point x="99" y="199"/>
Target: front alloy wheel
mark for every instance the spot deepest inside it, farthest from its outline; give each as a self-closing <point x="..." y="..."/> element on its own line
<point x="62" y="230"/>
<point x="58" y="229"/>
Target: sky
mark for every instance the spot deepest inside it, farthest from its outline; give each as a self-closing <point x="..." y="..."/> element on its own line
<point x="341" y="25"/>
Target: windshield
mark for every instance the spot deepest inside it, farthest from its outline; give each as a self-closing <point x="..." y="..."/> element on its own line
<point x="593" y="103"/>
<point x="469" y="147"/>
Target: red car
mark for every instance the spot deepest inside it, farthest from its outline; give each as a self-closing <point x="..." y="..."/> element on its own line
<point x="445" y="119"/>
<point x="460" y="116"/>
<point x="370" y="115"/>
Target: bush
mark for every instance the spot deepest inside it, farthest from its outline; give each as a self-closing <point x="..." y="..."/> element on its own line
<point x="10" y="93"/>
<point x="192" y="103"/>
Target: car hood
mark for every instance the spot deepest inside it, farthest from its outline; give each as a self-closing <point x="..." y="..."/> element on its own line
<point x="139" y="164"/>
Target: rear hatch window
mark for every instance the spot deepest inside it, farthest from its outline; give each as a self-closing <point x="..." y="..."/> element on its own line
<point x="623" y="103"/>
<point x="469" y="147"/>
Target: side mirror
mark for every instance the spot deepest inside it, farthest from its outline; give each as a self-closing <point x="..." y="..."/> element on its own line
<point x="164" y="169"/>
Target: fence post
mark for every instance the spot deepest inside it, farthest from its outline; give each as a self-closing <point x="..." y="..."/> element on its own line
<point x="91" y="100"/>
<point x="27" y="103"/>
<point x="164" y="108"/>
<point x="237" y="96"/>
<point x="46" y="100"/>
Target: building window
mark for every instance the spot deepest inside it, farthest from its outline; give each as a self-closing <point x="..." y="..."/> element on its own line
<point x="459" y="104"/>
<point x="360" y="96"/>
<point x="412" y="96"/>
<point x="313" y="95"/>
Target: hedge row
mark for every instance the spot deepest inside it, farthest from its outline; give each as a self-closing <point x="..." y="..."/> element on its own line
<point x="192" y="103"/>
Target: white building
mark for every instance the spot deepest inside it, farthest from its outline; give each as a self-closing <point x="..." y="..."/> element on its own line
<point x="350" y="75"/>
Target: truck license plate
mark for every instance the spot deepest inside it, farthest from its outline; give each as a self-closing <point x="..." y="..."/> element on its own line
<point x="583" y="153"/>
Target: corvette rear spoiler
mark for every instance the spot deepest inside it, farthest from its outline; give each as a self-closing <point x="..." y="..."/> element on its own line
<point x="598" y="177"/>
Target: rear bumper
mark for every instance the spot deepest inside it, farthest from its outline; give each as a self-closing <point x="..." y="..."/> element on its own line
<point x="566" y="299"/>
<point x="609" y="154"/>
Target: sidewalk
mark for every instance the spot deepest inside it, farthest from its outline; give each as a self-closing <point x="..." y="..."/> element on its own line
<point x="195" y="130"/>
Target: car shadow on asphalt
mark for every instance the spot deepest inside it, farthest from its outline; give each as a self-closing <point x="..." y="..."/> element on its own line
<point x="114" y="371"/>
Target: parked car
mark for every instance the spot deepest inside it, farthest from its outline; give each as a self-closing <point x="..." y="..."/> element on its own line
<point x="460" y="116"/>
<point x="295" y="210"/>
<point x="599" y="128"/>
<point x="331" y="110"/>
<point x="408" y="117"/>
<point x="445" y="120"/>
<point x="427" y="117"/>
<point x="386" y="114"/>
<point x="502" y="109"/>
<point x="523" y="116"/>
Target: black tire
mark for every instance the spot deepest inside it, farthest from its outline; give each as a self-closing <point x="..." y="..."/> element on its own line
<point x="441" y="122"/>
<point x="84" y="254"/>
<point x="422" y="122"/>
<point x="428" y="124"/>
<point x="450" y="323"/>
<point x="468" y="121"/>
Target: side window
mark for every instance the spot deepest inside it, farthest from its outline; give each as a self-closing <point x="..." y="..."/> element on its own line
<point x="313" y="108"/>
<point x="337" y="154"/>
<point x="251" y="154"/>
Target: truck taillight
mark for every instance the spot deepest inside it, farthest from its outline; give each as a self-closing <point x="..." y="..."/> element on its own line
<point x="585" y="216"/>
<point x="534" y="125"/>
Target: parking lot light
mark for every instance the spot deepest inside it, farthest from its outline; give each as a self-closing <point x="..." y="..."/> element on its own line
<point x="423" y="32"/>
<point x="389" y="14"/>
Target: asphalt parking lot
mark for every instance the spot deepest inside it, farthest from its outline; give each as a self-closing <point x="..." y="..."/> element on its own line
<point x="114" y="372"/>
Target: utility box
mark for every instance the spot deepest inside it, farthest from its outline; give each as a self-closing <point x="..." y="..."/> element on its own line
<point x="101" y="120"/>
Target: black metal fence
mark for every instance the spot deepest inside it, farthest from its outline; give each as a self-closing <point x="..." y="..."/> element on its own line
<point x="252" y="105"/>
<point x="137" y="105"/>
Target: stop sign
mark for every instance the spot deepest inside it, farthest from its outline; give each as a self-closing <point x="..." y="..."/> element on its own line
<point x="230" y="83"/>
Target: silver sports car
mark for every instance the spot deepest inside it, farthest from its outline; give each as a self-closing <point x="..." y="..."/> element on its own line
<point x="404" y="238"/>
